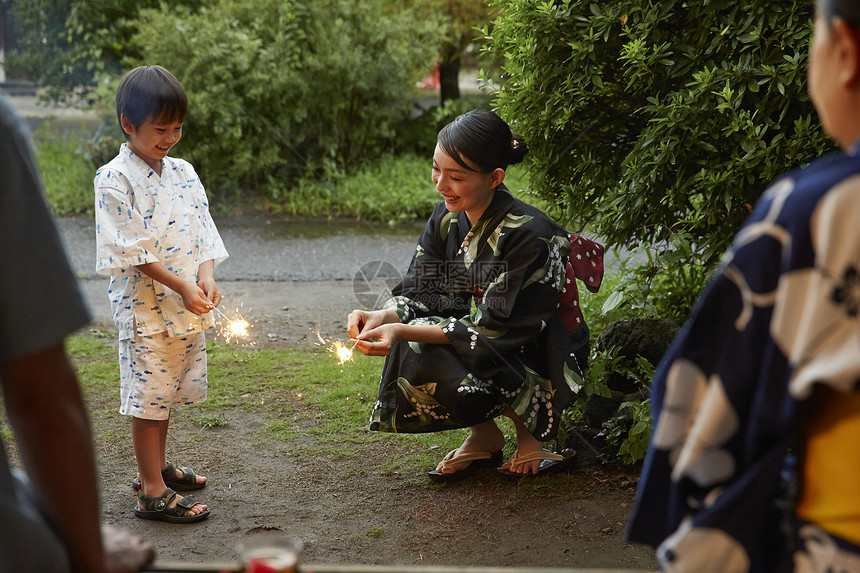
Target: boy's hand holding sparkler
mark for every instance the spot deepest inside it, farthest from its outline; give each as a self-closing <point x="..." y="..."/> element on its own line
<point x="206" y="283"/>
<point x="194" y="298"/>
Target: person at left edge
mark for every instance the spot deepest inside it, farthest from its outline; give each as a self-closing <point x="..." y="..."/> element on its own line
<point x="49" y="513"/>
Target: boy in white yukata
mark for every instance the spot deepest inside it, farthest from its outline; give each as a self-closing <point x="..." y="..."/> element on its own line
<point x="158" y="242"/>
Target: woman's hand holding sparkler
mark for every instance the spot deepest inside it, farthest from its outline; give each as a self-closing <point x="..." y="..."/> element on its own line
<point x="360" y="321"/>
<point x="362" y="326"/>
<point x="378" y="341"/>
<point x="375" y="332"/>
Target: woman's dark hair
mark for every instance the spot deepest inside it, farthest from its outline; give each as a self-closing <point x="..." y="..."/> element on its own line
<point x="483" y="138"/>
<point x="150" y="92"/>
<point x="848" y="10"/>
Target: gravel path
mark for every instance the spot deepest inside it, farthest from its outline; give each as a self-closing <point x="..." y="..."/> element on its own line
<point x="289" y="277"/>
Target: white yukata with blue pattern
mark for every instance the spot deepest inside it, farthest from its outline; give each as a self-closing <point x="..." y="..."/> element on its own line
<point x="144" y="218"/>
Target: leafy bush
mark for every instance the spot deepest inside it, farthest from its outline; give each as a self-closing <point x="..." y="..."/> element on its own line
<point x="630" y="431"/>
<point x="648" y="120"/>
<point x="282" y="89"/>
<point x="67" y="46"/>
<point x="659" y="281"/>
<point x="624" y="436"/>
<point x="393" y="189"/>
<point x="417" y="133"/>
<point x="66" y="171"/>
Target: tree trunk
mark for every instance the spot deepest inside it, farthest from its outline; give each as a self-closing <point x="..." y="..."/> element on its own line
<point x="449" y="75"/>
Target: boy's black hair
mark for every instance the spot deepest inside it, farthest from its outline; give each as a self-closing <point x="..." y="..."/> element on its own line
<point x="483" y="138"/>
<point x="150" y="93"/>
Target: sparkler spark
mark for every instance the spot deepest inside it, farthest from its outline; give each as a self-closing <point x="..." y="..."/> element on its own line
<point x="234" y="328"/>
<point x="343" y="353"/>
<point x="338" y="348"/>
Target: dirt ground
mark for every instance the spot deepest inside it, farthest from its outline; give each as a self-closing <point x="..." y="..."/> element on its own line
<point x="357" y="511"/>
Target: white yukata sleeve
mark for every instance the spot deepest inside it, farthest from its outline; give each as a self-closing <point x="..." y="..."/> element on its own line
<point x="123" y="239"/>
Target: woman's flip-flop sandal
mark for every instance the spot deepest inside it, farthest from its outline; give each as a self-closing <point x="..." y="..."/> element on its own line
<point x="478" y="461"/>
<point x="187" y="482"/>
<point x="158" y="508"/>
<point x="550" y="463"/>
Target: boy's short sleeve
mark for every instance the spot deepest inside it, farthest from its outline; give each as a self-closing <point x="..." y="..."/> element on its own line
<point x="123" y="239"/>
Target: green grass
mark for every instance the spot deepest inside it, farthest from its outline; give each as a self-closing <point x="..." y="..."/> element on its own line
<point x="214" y="421"/>
<point x="303" y="397"/>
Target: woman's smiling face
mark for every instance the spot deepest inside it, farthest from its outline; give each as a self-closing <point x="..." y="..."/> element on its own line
<point x="153" y="140"/>
<point x="463" y="189"/>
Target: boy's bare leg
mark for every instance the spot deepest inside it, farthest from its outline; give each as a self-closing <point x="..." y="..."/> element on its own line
<point x="162" y="437"/>
<point x="149" y="450"/>
<point x="526" y="444"/>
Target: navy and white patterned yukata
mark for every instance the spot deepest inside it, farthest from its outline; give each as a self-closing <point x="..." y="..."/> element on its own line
<point x="779" y="317"/>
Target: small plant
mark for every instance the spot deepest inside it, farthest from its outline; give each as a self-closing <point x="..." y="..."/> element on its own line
<point x="629" y="431"/>
<point x="661" y="281"/>
<point x="214" y="421"/>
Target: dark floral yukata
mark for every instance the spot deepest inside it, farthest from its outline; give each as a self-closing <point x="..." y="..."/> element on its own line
<point x="495" y="289"/>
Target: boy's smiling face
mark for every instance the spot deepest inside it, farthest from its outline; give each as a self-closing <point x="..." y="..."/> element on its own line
<point x="153" y="139"/>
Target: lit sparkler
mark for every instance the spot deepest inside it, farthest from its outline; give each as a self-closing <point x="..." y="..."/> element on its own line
<point x="234" y="328"/>
<point x="338" y="348"/>
<point x="343" y="353"/>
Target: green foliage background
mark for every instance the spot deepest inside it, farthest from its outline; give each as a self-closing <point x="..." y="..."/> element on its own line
<point x="279" y="90"/>
<point x="656" y="120"/>
<point x="67" y="45"/>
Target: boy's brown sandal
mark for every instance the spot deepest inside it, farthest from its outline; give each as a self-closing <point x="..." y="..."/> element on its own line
<point x="158" y="508"/>
<point x="187" y="482"/>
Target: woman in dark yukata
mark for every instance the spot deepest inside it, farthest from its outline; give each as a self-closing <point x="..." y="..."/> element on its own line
<point x="486" y="322"/>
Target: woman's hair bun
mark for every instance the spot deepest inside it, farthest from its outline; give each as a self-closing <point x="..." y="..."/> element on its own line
<point x="482" y="137"/>
<point x="518" y="149"/>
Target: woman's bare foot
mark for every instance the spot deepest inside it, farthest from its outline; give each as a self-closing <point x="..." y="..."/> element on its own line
<point x="526" y="444"/>
<point x="486" y="437"/>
